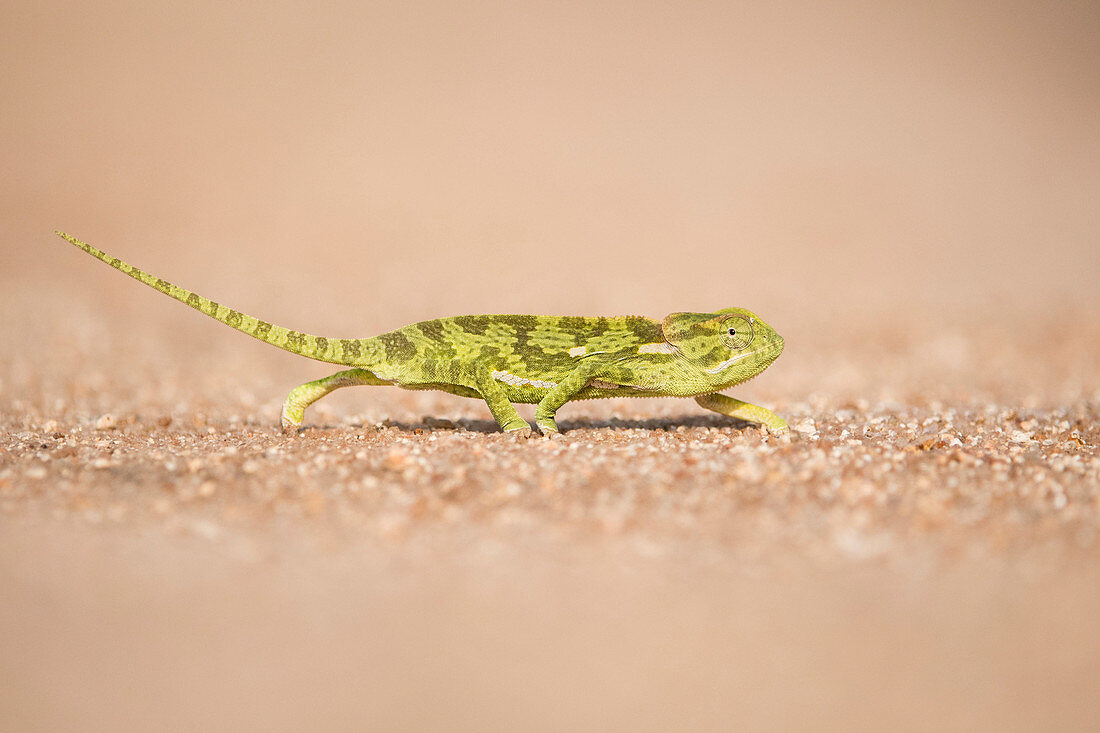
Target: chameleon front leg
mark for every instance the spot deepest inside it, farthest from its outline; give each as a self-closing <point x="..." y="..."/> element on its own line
<point x="302" y="397"/>
<point x="748" y="412"/>
<point x="558" y="395"/>
<point x="496" y="398"/>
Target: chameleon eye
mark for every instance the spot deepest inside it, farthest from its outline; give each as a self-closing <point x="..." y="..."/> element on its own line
<point x="738" y="333"/>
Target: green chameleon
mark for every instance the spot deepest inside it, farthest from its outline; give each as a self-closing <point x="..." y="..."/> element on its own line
<point x="544" y="360"/>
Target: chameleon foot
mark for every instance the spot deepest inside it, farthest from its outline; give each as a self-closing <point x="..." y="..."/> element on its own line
<point x="779" y="431"/>
<point x="547" y="427"/>
<point x="774" y="424"/>
<point x="292" y="418"/>
<point x="520" y="435"/>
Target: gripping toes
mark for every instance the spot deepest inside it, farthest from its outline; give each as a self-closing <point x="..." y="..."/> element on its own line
<point x="777" y="425"/>
<point x="520" y="434"/>
<point x="546" y="425"/>
<point x="292" y="415"/>
<point x="517" y="425"/>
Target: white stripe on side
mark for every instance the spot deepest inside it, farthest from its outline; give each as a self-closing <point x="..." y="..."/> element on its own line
<point x="518" y="381"/>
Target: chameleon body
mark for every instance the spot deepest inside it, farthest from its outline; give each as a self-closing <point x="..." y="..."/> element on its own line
<point x="541" y="360"/>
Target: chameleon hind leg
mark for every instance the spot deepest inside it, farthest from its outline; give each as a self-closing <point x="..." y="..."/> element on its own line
<point x="302" y="397"/>
<point x="746" y="411"/>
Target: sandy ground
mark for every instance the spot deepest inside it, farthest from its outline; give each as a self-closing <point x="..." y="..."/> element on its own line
<point x="906" y="191"/>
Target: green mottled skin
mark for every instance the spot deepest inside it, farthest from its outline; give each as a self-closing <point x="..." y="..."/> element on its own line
<point x="543" y="360"/>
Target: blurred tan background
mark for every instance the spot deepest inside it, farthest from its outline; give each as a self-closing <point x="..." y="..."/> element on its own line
<point x="907" y="191"/>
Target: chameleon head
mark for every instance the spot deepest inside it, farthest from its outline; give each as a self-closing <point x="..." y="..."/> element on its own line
<point x="727" y="347"/>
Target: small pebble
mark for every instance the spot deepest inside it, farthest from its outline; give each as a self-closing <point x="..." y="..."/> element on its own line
<point x="806" y="426"/>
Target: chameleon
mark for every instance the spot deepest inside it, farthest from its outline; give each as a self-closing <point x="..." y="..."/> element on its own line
<point x="541" y="360"/>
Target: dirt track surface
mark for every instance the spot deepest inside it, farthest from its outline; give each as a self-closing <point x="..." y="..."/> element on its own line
<point x="849" y="482"/>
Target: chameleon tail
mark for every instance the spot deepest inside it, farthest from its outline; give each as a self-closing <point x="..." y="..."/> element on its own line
<point x="352" y="352"/>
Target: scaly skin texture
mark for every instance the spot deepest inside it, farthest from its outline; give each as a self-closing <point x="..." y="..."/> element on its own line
<point x="542" y="360"/>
